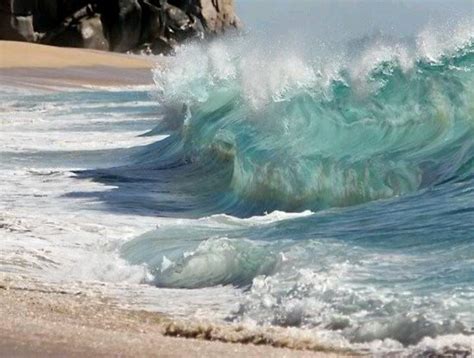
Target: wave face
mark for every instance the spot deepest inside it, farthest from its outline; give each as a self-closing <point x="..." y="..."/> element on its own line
<point x="373" y="149"/>
<point x="282" y="133"/>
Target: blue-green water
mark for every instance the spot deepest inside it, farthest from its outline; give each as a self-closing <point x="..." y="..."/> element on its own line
<point x="383" y="157"/>
<point x="333" y="193"/>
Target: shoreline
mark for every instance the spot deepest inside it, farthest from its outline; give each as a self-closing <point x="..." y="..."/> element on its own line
<point x="41" y="320"/>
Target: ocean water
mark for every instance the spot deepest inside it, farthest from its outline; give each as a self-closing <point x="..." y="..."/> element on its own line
<point x="324" y="189"/>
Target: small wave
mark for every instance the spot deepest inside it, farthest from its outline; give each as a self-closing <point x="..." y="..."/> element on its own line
<point x="177" y="261"/>
<point x="268" y="218"/>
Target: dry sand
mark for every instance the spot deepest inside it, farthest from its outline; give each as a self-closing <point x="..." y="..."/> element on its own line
<point x="22" y="54"/>
<point x="46" y="67"/>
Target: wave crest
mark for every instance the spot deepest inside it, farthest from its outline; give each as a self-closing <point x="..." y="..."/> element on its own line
<point x="286" y="133"/>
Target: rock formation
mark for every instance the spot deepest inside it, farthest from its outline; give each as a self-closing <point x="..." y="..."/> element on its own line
<point x="117" y="25"/>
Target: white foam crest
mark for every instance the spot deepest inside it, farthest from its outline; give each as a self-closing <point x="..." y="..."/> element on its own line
<point x="275" y="300"/>
<point x="229" y="221"/>
<point x="215" y="261"/>
<point x="17" y="141"/>
<point x="328" y="73"/>
<point x="451" y="345"/>
<point x="262" y="76"/>
<point x="266" y="219"/>
<point x="103" y="267"/>
<point x="221" y="61"/>
<point x="434" y="42"/>
<point x="126" y="88"/>
<point x="437" y="41"/>
<point x="265" y="80"/>
<point x="442" y="345"/>
<point x="266" y="74"/>
<point x="334" y="299"/>
<point x="187" y="78"/>
<point x="378" y="54"/>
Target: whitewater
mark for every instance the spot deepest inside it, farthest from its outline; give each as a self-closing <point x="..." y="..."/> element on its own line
<point x="326" y="190"/>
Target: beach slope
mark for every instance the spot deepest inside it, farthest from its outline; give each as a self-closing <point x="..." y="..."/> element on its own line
<point x="26" y="64"/>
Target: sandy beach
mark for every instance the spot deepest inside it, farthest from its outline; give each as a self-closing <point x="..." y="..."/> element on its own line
<point x="22" y="54"/>
<point x="61" y="67"/>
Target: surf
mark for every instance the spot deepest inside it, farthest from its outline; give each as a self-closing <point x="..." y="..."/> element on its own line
<point x="367" y="155"/>
<point x="284" y="133"/>
<point x="365" y="152"/>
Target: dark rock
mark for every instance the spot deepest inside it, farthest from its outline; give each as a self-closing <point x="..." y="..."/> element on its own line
<point x="165" y="25"/>
<point x="181" y="26"/>
<point x="152" y="23"/>
<point x="67" y="7"/>
<point x="85" y="33"/>
<point x="162" y="46"/>
<point x="122" y="20"/>
<point x="16" y="20"/>
<point x="216" y="15"/>
<point x="159" y="45"/>
<point x="93" y="34"/>
<point x="82" y="29"/>
<point x="24" y="26"/>
<point x="125" y="25"/>
<point x="16" y="28"/>
<point x="47" y="15"/>
<point x="22" y="7"/>
<point x="178" y="20"/>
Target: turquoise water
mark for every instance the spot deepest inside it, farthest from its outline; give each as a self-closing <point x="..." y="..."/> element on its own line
<point x="332" y="192"/>
<point x="381" y="156"/>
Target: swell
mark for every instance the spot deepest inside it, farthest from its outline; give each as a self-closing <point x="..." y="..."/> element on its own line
<point x="287" y="136"/>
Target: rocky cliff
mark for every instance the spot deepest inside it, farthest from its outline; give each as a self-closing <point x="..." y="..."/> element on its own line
<point x="117" y="25"/>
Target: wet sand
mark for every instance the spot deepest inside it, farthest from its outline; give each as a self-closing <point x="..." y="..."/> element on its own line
<point x="41" y="320"/>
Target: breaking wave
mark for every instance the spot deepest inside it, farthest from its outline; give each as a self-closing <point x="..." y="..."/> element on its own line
<point x="259" y="132"/>
<point x="372" y="152"/>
